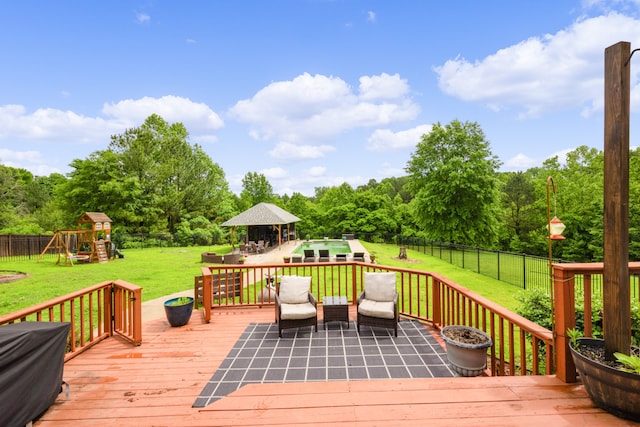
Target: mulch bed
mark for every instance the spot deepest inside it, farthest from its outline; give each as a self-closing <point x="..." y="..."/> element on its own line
<point x="8" y="276"/>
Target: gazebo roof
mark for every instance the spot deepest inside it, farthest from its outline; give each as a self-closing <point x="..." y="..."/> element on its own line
<point x="262" y="214"/>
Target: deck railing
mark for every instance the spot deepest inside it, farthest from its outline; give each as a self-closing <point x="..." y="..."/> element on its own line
<point x="95" y="313"/>
<point x="521" y="347"/>
<point x="570" y="280"/>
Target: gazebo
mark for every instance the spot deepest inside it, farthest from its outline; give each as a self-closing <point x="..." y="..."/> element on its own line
<point x="265" y="221"/>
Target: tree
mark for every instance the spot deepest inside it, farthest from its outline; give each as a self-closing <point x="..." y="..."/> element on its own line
<point x="303" y="208"/>
<point x="518" y="216"/>
<point x="453" y="179"/>
<point x="255" y="189"/>
<point x="578" y="203"/>
<point x="99" y="184"/>
<point x="149" y="180"/>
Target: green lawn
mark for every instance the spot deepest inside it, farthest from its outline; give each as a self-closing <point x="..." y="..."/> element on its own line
<point x="164" y="271"/>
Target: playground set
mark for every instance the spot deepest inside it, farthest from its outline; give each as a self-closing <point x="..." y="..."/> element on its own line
<point x="90" y="242"/>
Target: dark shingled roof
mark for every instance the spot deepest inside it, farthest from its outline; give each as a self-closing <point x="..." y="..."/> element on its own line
<point x="262" y="214"/>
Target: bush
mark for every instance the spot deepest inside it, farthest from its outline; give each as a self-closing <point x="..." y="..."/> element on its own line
<point x="536" y="306"/>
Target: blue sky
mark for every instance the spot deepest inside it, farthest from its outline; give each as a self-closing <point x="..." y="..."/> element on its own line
<point x="308" y="92"/>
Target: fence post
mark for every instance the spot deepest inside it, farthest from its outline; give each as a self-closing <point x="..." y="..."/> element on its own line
<point x="565" y="319"/>
<point x="207" y="293"/>
<point x="524" y="272"/>
<point x="435" y="301"/>
<point x="463" y="251"/>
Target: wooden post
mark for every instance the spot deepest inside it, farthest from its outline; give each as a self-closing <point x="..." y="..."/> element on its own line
<point x="616" y="293"/>
<point x="565" y="318"/>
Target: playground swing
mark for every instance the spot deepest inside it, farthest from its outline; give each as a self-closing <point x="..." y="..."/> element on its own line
<point x="84" y="244"/>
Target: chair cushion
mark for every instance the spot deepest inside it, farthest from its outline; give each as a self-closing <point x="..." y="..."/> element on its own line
<point x="382" y="310"/>
<point x="294" y="289"/>
<point x="380" y="286"/>
<point x="297" y="311"/>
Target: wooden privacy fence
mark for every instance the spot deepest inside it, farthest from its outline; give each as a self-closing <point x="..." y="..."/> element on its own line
<point x="521" y="347"/>
<point x="23" y="246"/>
<point x="95" y="313"/>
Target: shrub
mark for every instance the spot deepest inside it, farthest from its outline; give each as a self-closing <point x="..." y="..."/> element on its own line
<point x="536" y="306"/>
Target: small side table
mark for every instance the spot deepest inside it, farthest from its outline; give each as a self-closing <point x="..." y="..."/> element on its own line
<point x="335" y="308"/>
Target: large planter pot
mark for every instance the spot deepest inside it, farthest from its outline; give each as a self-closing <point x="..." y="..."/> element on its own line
<point x="611" y="389"/>
<point x="468" y="359"/>
<point x="178" y="314"/>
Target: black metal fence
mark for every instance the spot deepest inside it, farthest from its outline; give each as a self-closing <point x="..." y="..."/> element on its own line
<point x="522" y="270"/>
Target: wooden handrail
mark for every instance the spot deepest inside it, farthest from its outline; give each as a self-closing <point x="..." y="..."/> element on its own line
<point x="95" y="313"/>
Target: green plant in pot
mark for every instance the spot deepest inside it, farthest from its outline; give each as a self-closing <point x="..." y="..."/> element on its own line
<point x="178" y="310"/>
<point x="466" y="349"/>
<point x="612" y="385"/>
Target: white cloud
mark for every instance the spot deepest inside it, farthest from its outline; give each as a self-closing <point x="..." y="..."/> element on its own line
<point x="274" y="173"/>
<point x="383" y="86"/>
<point x="31" y="160"/>
<point x="544" y="74"/>
<point x="194" y="115"/>
<point x="49" y="124"/>
<point x="316" y="108"/>
<point x="520" y="162"/>
<point x="386" y="140"/>
<point x="143" y="18"/>
<point x="317" y="171"/>
<point x="288" y="151"/>
<point x="53" y="125"/>
<point x="371" y="16"/>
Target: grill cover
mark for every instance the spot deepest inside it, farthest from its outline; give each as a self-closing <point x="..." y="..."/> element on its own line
<point x="31" y="365"/>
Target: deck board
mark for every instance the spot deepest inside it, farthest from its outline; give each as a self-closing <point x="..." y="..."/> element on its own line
<point x="156" y="383"/>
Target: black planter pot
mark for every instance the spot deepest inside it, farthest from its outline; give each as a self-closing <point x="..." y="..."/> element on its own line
<point x="468" y="360"/>
<point x="611" y="389"/>
<point x="178" y="315"/>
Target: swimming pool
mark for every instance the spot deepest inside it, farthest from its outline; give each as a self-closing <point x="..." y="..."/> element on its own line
<point x="334" y="246"/>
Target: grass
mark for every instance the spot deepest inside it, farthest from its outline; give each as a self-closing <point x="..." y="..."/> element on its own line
<point x="499" y="292"/>
<point x="159" y="271"/>
<point x="164" y="271"/>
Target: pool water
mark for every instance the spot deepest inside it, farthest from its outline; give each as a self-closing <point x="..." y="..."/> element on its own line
<point x="334" y="246"/>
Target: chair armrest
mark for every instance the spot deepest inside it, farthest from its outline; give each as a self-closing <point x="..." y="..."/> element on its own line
<point x="360" y="298"/>
<point x="395" y="305"/>
<point x="278" y="307"/>
<point x="312" y="299"/>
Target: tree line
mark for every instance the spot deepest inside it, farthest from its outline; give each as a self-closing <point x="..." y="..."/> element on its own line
<point x="151" y="179"/>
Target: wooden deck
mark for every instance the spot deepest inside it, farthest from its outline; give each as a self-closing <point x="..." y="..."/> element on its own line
<point x="156" y="383"/>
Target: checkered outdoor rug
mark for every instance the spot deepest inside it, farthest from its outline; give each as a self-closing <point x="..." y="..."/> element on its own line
<point x="336" y="354"/>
